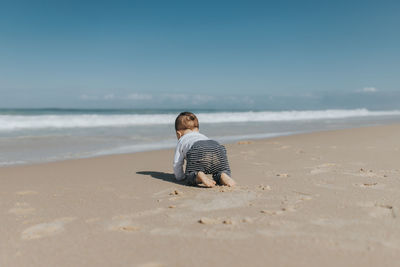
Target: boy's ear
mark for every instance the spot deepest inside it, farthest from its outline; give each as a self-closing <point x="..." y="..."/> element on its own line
<point x="178" y="134"/>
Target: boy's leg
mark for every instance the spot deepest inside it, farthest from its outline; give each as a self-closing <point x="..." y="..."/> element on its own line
<point x="195" y="168"/>
<point x="222" y="176"/>
<point x="225" y="179"/>
<point x="195" y="178"/>
<point x="202" y="178"/>
<point x="191" y="178"/>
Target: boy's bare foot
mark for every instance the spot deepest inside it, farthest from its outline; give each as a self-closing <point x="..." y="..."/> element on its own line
<point x="226" y="180"/>
<point x="202" y="178"/>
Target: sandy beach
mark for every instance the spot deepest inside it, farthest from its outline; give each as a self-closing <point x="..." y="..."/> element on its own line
<point x="321" y="199"/>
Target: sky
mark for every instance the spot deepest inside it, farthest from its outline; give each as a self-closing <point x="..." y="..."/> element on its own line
<point x="222" y="54"/>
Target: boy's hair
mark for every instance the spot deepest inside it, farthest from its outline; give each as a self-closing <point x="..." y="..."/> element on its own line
<point x="186" y="120"/>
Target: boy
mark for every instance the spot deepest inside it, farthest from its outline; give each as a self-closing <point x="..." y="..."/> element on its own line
<point x="203" y="156"/>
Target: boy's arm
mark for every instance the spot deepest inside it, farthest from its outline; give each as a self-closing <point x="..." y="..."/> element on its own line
<point x="178" y="164"/>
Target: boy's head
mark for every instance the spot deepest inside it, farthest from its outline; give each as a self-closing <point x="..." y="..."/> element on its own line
<point x="184" y="122"/>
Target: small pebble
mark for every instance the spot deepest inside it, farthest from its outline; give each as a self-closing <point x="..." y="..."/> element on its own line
<point x="205" y="220"/>
<point x="175" y="192"/>
<point x="272" y="212"/>
<point x="247" y="220"/>
<point x="264" y="187"/>
<point x="283" y="175"/>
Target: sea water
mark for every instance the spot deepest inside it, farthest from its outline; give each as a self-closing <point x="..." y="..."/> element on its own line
<point x="42" y="135"/>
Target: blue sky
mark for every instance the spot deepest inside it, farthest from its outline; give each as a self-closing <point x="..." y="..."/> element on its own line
<point x="160" y="53"/>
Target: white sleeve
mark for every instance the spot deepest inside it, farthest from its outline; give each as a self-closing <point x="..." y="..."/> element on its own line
<point x="178" y="163"/>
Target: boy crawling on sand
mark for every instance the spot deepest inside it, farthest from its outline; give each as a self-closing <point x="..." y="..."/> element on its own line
<point x="203" y="155"/>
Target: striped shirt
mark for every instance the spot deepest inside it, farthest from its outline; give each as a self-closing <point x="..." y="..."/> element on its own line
<point x="184" y="144"/>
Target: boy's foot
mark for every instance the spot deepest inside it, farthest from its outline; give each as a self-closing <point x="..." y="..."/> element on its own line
<point x="226" y="180"/>
<point x="202" y="178"/>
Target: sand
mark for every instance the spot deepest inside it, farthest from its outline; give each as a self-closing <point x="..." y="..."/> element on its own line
<point x="320" y="199"/>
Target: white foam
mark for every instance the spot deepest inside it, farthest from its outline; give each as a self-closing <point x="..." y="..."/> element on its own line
<point x="291" y="115"/>
<point x="21" y="122"/>
<point x="11" y="163"/>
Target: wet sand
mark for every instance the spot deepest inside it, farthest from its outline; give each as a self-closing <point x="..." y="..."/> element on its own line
<point x="328" y="198"/>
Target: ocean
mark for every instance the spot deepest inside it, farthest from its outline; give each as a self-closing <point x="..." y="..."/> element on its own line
<point x="42" y="135"/>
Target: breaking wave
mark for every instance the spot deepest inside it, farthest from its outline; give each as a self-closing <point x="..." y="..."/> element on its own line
<point x="27" y="122"/>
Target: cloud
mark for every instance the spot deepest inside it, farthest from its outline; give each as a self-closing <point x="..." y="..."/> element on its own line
<point x="368" y="90"/>
<point x="88" y="97"/>
<point x="175" y="97"/>
<point x="109" y="97"/>
<point x="165" y="100"/>
<point x="200" y="99"/>
<point x="139" y="96"/>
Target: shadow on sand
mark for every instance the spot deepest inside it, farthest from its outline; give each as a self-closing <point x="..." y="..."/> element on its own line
<point x="168" y="177"/>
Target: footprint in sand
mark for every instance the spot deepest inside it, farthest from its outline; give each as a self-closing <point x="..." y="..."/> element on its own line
<point x="46" y="229"/>
<point x="21" y="209"/>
